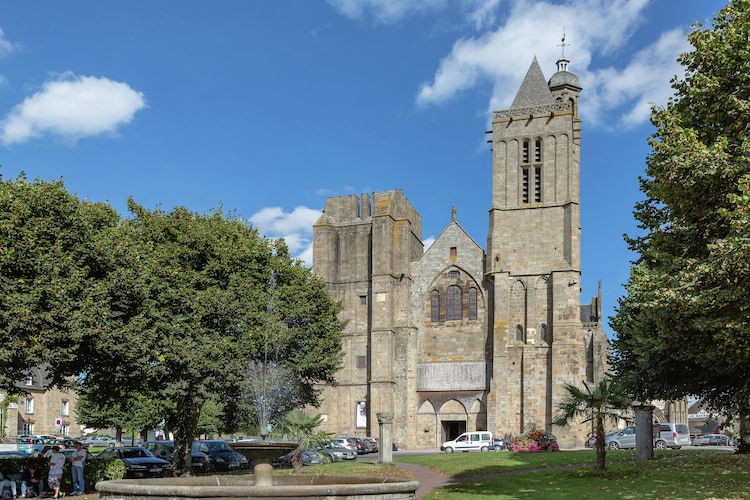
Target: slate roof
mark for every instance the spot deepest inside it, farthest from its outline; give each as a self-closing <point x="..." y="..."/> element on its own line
<point x="534" y="90"/>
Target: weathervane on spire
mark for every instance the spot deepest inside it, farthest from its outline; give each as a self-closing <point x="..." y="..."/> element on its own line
<point x="562" y="63"/>
<point x="563" y="44"/>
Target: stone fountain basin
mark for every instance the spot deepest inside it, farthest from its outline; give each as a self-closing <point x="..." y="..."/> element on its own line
<point x="218" y="487"/>
<point x="263" y="451"/>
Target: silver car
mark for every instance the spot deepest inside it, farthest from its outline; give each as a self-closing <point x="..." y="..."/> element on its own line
<point x="621" y="439"/>
<point x="336" y="453"/>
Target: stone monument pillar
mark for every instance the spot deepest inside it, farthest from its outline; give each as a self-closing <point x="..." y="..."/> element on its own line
<point x="644" y="432"/>
<point x="385" y="436"/>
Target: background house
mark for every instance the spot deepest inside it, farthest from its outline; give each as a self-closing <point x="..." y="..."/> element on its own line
<point x="41" y="410"/>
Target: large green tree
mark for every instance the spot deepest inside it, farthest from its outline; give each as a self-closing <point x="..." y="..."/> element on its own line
<point x="51" y="271"/>
<point x="684" y="326"/>
<point x="160" y="312"/>
<point x="188" y="311"/>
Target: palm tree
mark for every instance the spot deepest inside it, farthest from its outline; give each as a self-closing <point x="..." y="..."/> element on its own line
<point x="299" y="426"/>
<point x="605" y="402"/>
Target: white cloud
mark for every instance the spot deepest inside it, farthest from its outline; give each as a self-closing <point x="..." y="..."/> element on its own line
<point x="71" y="107"/>
<point x="643" y="82"/>
<point x="595" y="28"/>
<point x="294" y="227"/>
<point x="6" y="47"/>
<point x="481" y="13"/>
<point x="385" y="11"/>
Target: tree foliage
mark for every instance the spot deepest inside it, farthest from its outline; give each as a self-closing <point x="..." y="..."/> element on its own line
<point x="155" y="315"/>
<point x="52" y="268"/>
<point x="682" y="328"/>
<point x="605" y="402"/>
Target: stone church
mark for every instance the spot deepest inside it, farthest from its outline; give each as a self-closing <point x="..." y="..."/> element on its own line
<point x="457" y="337"/>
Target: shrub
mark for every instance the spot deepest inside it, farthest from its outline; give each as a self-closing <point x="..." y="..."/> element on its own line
<point x="535" y="441"/>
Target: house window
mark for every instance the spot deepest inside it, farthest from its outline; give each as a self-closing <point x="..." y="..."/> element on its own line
<point x="363" y="300"/>
<point x="453" y="310"/>
<point x="27" y="428"/>
<point x="29" y="405"/>
<point x="434" y="306"/>
<point x="29" y="380"/>
<point x="472" y="303"/>
<point x="361" y="361"/>
<point x="525" y="185"/>
<point x="65" y="408"/>
<point x="64" y="429"/>
<point x="519" y="333"/>
<point x="454" y="251"/>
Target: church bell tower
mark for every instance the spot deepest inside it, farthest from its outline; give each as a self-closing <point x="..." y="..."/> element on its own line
<point x="533" y="252"/>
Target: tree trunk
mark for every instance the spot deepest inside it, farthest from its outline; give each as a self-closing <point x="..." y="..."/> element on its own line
<point x="744" y="445"/>
<point x="188" y="411"/>
<point x="601" y="450"/>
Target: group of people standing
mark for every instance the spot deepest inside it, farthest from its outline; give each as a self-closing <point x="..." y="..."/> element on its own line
<point x="56" y="463"/>
<point x="32" y="483"/>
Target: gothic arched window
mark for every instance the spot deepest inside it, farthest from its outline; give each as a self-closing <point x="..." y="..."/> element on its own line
<point x="453" y="310"/>
<point x="435" y="306"/>
<point x="472" y="303"/>
<point x="519" y="333"/>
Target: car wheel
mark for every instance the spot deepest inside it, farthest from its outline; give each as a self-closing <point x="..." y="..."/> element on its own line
<point x="484" y="448"/>
<point x="449" y="450"/>
<point x="614" y="446"/>
<point x="661" y="445"/>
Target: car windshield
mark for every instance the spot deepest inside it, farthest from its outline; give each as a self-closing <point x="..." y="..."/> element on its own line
<point x="218" y="446"/>
<point x="135" y="453"/>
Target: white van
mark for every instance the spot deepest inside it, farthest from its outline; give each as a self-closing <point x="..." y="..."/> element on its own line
<point x="470" y="441"/>
<point x="671" y="435"/>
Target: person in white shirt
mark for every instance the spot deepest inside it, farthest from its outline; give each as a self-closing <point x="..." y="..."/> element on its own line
<point x="56" y="463"/>
<point x="78" y="459"/>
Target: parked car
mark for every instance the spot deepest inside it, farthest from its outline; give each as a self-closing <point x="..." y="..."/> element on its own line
<point x="363" y="447"/>
<point x="199" y="461"/>
<point x="101" y="441"/>
<point x="309" y="457"/>
<point x="33" y="447"/>
<point x="139" y="462"/>
<point x="373" y="444"/>
<point x="621" y="439"/>
<point x="222" y="456"/>
<point x="67" y="453"/>
<point x="62" y="443"/>
<point x="672" y="435"/>
<point x="348" y="443"/>
<point x="336" y="453"/>
<point x="12" y="454"/>
<point x="469" y="441"/>
<point x="712" y="440"/>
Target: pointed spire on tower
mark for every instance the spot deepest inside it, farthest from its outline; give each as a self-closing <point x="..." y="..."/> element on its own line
<point x="534" y="90"/>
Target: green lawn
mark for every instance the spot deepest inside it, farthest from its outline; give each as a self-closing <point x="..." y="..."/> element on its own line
<point x="687" y="474"/>
<point x="684" y="474"/>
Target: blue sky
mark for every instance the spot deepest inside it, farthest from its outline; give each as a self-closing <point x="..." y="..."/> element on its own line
<point x="268" y="107"/>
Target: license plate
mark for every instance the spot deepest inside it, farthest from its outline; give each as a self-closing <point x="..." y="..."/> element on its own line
<point x="155" y="470"/>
